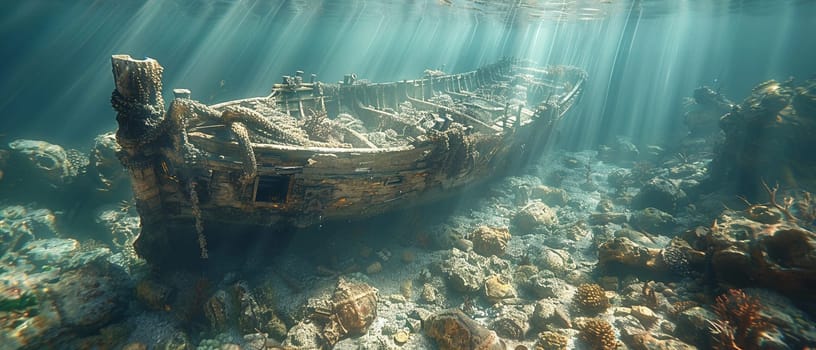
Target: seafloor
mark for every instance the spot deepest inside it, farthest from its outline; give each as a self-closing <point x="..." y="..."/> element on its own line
<point x="680" y="246"/>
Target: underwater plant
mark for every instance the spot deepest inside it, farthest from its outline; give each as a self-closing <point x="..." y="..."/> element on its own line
<point x="740" y="324"/>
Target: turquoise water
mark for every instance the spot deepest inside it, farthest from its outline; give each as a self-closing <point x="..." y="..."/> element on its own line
<point x="678" y="203"/>
<point x="641" y="54"/>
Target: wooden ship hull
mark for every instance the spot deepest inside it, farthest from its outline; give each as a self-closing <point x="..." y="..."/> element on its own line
<point x="312" y="151"/>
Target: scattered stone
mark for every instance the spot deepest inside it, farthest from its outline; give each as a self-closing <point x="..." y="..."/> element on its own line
<point x="511" y="323"/>
<point x="550" y="195"/>
<point x="608" y="282"/>
<point x="453" y="330"/>
<point x="533" y="216"/>
<point x="428" y="294"/>
<point x="654" y="221"/>
<point x="304" y="335"/>
<point x="621" y="252"/>
<point x="153" y="294"/>
<point x="648" y="342"/>
<point x="639" y="238"/>
<point x="496" y="289"/>
<point x="549" y="313"/>
<point x="622" y="151"/>
<point x="543" y="285"/>
<point x="660" y="193"/>
<point x="461" y="274"/>
<point x="463" y="244"/>
<point x="490" y="240"/>
<point x="693" y="326"/>
<point x="607" y="218"/>
<point x="645" y="315"/>
<point x="556" y="260"/>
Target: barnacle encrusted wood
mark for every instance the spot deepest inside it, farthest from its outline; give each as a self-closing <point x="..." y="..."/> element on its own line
<point x="312" y="151"/>
<point x="137" y="99"/>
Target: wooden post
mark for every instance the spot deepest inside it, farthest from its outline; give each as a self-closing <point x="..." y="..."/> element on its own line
<point x="138" y="100"/>
<point x="139" y="105"/>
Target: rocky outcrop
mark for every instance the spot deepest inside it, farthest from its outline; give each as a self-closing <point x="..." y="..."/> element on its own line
<point x="55" y="290"/>
<point x="765" y="136"/>
<point x="777" y="254"/>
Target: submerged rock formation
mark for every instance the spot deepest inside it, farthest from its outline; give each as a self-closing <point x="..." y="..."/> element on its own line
<point x="765" y="136"/>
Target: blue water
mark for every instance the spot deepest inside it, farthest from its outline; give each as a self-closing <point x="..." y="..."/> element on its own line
<point x="642" y="56"/>
<point x="644" y="59"/>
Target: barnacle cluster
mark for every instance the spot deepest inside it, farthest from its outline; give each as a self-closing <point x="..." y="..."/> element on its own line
<point x="142" y="111"/>
<point x="597" y="334"/>
<point x="591" y="298"/>
<point x="551" y="341"/>
<point x="676" y="260"/>
<point x="318" y="126"/>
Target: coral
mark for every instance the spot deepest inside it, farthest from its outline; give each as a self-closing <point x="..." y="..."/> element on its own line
<point x="551" y="341"/>
<point x="787" y="201"/>
<point x="591" y="298"/>
<point x="740" y="323"/>
<point x="806" y="207"/>
<point x="676" y="260"/>
<point x="597" y="334"/>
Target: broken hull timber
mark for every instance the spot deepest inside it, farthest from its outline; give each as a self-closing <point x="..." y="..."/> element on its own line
<point x="194" y="166"/>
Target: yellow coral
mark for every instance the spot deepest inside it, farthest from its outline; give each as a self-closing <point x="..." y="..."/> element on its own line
<point x="551" y="341"/>
<point x="591" y="298"/>
<point x="598" y="334"/>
